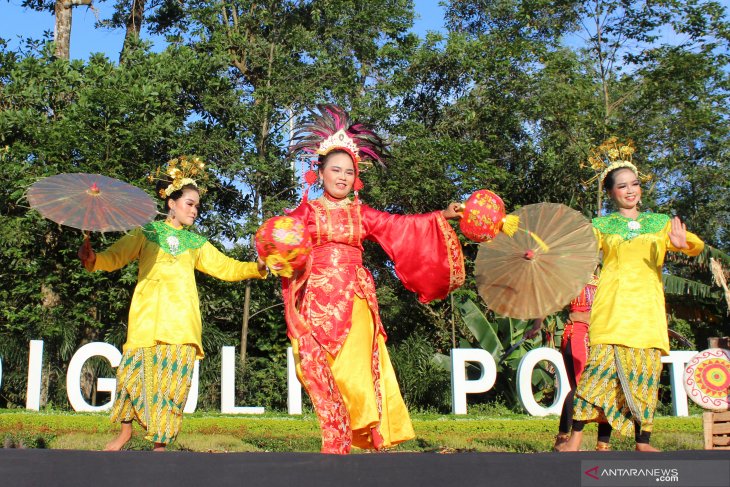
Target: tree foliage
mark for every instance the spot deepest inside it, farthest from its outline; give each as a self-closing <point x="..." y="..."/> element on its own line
<point x="511" y="95"/>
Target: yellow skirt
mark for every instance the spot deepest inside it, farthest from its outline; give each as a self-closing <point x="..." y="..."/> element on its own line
<point x="352" y="372"/>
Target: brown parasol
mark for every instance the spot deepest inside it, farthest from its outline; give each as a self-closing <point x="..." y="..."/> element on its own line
<point x="91" y="202"/>
<point x="542" y="267"/>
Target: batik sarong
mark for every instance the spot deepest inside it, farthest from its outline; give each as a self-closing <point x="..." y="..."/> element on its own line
<point x="621" y="384"/>
<point x="152" y="387"/>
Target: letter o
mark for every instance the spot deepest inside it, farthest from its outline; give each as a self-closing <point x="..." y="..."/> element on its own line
<point x="524" y="381"/>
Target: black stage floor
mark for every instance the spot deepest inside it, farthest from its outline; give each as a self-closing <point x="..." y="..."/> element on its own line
<point x="29" y="467"/>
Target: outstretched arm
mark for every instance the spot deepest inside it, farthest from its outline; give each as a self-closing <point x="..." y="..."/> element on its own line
<point x="215" y="263"/>
<point x="119" y="254"/>
<point x="424" y="248"/>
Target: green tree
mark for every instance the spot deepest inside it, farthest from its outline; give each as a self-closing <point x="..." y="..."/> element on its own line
<point x="93" y="117"/>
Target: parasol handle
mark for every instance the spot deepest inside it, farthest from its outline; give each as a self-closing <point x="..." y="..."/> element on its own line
<point x="510" y="226"/>
<point x="540" y="242"/>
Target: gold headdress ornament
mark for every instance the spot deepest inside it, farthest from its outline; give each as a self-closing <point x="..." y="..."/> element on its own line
<point x="330" y="128"/>
<point x="610" y="155"/>
<point x="339" y="140"/>
<point x="181" y="170"/>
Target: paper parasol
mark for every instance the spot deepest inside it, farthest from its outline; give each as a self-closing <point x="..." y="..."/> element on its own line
<point x="91" y="202"/>
<point x="542" y="267"/>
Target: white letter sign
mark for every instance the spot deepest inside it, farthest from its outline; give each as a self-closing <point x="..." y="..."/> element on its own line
<point x="228" y="385"/>
<point x="104" y="384"/>
<point x="294" y="388"/>
<point x="35" y="369"/>
<point x="460" y="386"/>
<point x="524" y="381"/>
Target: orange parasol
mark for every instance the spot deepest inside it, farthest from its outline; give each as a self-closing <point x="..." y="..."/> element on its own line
<point x="542" y="267"/>
<point x="91" y="202"/>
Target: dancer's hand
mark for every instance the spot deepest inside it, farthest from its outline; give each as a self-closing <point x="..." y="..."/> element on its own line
<point x="274" y="267"/>
<point x="87" y="255"/>
<point x="454" y="210"/>
<point x="678" y="234"/>
<point x="536" y="327"/>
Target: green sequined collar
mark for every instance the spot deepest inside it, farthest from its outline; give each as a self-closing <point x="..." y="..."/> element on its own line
<point x="616" y="224"/>
<point x="170" y="239"/>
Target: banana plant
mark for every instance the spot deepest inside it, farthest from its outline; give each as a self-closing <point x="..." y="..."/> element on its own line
<point x="497" y="336"/>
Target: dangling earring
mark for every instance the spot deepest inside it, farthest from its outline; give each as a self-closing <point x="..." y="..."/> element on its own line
<point x="170" y="215"/>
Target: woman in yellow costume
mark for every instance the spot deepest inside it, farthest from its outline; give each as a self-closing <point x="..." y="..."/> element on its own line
<point x="164" y="331"/>
<point x="628" y="332"/>
<point x="331" y="308"/>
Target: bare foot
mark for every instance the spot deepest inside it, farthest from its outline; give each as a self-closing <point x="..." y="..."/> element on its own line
<point x="573" y="444"/>
<point x="124" y="436"/>
<point x="159" y="447"/>
<point x="603" y="446"/>
<point x="560" y="439"/>
<point x="646" y="447"/>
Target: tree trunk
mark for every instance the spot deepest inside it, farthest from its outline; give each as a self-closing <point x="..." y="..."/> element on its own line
<point x="93" y="393"/>
<point x="603" y="70"/>
<point x="453" y="322"/>
<point x="244" y="324"/>
<point x="258" y="204"/>
<point x="62" y="35"/>
<point x="134" y="26"/>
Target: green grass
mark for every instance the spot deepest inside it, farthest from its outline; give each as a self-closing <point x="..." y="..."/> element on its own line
<point x="211" y="432"/>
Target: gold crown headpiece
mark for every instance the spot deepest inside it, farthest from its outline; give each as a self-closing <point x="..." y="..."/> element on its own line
<point x="339" y="140"/>
<point x="610" y="155"/>
<point x="181" y="171"/>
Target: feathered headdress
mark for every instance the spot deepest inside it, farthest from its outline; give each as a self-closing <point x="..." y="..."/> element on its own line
<point x="330" y="129"/>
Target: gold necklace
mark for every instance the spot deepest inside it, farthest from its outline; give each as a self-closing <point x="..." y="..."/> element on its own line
<point x="328" y="203"/>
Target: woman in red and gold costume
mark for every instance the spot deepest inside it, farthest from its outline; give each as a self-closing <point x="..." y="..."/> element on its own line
<point x="331" y="307"/>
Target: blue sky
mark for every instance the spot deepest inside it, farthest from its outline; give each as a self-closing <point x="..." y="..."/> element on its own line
<point x="17" y="21"/>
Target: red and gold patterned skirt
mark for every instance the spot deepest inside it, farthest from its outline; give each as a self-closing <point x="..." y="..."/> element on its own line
<point x="355" y="394"/>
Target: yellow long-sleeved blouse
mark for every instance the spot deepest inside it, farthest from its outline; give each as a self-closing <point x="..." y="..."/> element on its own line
<point x="165" y="306"/>
<point x="629" y="306"/>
